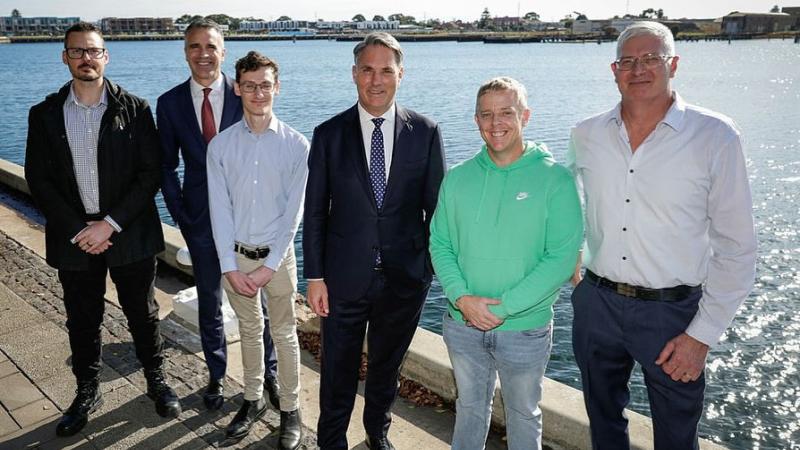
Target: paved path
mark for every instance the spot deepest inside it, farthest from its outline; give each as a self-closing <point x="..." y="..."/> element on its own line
<point x="36" y="383"/>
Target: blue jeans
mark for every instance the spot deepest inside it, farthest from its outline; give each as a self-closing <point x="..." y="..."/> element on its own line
<point x="478" y="357"/>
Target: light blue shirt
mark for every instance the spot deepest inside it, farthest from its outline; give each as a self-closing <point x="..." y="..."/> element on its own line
<point x="256" y="186"/>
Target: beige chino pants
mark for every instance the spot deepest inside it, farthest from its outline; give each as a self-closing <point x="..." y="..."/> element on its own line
<point x="280" y="292"/>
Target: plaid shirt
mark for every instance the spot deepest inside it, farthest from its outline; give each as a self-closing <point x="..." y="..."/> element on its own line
<point x="83" y="130"/>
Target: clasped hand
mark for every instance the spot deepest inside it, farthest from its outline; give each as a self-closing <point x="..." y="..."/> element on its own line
<point x="248" y="284"/>
<point x="94" y="239"/>
<point x="476" y="311"/>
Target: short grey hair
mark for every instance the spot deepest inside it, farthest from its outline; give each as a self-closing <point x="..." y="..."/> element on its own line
<point x="648" y="28"/>
<point x="384" y="39"/>
<point x="203" y="23"/>
<point x="503" y="84"/>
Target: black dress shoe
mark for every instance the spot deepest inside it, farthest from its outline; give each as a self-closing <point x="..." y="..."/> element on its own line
<point x="379" y="443"/>
<point x="213" y="397"/>
<point x="291" y="430"/>
<point x="87" y="400"/>
<point x="167" y="404"/>
<point x="271" y="388"/>
<point x="243" y="421"/>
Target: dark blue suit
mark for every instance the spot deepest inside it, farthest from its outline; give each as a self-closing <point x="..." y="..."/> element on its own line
<point x="342" y="231"/>
<point x="188" y="205"/>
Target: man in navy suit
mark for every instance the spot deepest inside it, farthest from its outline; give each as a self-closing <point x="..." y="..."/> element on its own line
<point x="374" y="175"/>
<point x="189" y="116"/>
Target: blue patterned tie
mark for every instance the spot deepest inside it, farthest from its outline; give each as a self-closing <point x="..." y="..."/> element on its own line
<point x="377" y="163"/>
<point x="377" y="170"/>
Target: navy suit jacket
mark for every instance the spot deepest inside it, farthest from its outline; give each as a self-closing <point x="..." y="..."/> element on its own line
<point x="342" y="226"/>
<point x="180" y="134"/>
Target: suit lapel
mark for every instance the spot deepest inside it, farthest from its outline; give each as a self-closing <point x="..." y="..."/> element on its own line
<point x="186" y="108"/>
<point x="229" y="105"/>
<point x="402" y="129"/>
<point x="354" y="147"/>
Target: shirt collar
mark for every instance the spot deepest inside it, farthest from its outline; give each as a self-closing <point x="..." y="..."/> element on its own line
<point x="72" y="98"/>
<point x="366" y="117"/>
<point x="673" y="118"/>
<point x="273" y="125"/>
<point x="676" y="112"/>
<point x="197" y="88"/>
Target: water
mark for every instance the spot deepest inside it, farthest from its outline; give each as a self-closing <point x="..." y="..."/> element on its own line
<point x="753" y="395"/>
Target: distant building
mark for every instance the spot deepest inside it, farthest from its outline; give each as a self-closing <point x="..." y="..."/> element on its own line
<point x="793" y="11"/>
<point x="368" y="25"/>
<point x="621" y="24"/>
<point x="181" y="27"/>
<point x="136" y="25"/>
<point x="745" y="23"/>
<point x="253" y="26"/>
<point x="18" y="25"/>
<point x="332" y="27"/>
<point x="507" y="23"/>
<point x="589" y="26"/>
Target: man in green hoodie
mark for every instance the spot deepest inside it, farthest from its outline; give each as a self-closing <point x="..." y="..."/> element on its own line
<point x="503" y="240"/>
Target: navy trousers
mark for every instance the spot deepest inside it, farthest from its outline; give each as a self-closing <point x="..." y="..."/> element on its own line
<point x="609" y="333"/>
<point x="208" y="278"/>
<point x="392" y="323"/>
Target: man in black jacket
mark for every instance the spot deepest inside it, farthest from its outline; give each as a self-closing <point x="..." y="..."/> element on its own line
<point x="93" y="168"/>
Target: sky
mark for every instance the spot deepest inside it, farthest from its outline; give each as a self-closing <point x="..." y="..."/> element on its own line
<point x="468" y="10"/>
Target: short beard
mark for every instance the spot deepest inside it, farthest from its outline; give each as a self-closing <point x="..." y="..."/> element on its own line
<point x="87" y="77"/>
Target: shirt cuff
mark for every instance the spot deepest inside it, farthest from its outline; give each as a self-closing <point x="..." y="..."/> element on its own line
<point x="703" y="332"/>
<point x="228" y="264"/>
<point x="75" y="238"/>
<point x="315" y="279"/>
<point x="113" y="224"/>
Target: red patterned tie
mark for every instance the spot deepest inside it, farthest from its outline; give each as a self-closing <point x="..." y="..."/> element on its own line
<point x="207" y="117"/>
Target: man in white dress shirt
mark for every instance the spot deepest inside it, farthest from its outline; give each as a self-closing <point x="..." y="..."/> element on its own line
<point x="670" y="239"/>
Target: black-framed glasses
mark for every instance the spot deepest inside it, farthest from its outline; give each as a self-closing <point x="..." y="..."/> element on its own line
<point x="78" y="52"/>
<point x="648" y="61"/>
<point x="248" y="87"/>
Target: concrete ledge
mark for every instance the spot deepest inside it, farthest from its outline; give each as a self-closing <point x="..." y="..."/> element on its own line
<point x="427" y="363"/>
<point x="13" y="176"/>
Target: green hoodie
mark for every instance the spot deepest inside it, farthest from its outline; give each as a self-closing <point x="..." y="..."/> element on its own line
<point x="509" y="233"/>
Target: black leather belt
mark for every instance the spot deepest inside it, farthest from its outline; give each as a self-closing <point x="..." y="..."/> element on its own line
<point x="664" y="295"/>
<point x="251" y="253"/>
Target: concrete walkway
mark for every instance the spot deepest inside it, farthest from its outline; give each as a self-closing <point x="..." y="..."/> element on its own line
<point x="36" y="383"/>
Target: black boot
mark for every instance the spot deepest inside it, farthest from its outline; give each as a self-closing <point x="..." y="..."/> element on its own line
<point x="291" y="430"/>
<point x="213" y="396"/>
<point x="87" y="400"/>
<point x="379" y="443"/>
<point x="248" y="414"/>
<point x="271" y="388"/>
<point x="167" y="404"/>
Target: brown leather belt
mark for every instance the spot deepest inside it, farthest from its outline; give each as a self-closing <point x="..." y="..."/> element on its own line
<point x="671" y="294"/>
<point x="251" y="253"/>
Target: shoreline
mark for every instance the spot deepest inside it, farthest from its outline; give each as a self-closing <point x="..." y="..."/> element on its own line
<point x="485" y="37"/>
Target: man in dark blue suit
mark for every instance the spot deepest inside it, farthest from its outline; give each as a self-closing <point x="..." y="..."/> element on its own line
<point x="374" y="175"/>
<point x="189" y="116"/>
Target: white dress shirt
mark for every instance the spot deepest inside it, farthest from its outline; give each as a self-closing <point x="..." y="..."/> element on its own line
<point x="677" y="211"/>
<point x="256" y="186"/>
<point x="387" y="128"/>
<point x="216" y="97"/>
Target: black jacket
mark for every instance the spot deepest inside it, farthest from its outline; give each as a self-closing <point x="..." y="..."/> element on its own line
<point x="129" y="170"/>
